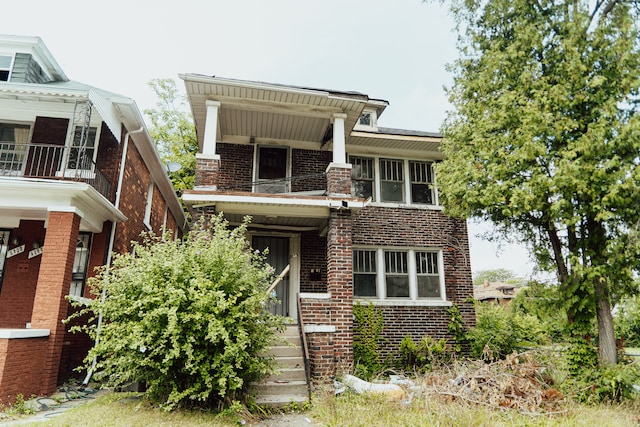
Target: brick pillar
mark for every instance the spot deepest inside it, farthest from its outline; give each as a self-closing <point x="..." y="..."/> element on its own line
<point x="340" y="286"/>
<point x="339" y="179"/>
<point x="50" y="306"/>
<point x="207" y="169"/>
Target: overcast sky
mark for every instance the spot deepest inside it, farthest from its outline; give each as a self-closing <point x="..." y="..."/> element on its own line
<point x="388" y="49"/>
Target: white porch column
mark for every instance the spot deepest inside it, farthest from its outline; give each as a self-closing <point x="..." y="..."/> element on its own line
<point x="339" y="149"/>
<point x="210" y="128"/>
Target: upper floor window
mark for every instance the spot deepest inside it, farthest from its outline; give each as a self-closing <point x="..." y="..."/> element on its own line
<point x="81" y="153"/>
<point x="5" y="67"/>
<point x="272" y="170"/>
<point x="393" y="180"/>
<point x="13" y="147"/>
<point x="398" y="274"/>
<point x="148" y="206"/>
<point x="367" y="121"/>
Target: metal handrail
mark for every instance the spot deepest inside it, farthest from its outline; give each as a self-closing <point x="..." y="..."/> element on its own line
<point x="305" y="348"/>
<point x="51" y="161"/>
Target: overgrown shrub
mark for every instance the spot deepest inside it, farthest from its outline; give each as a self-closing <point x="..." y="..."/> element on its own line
<point x="423" y="356"/>
<point x="499" y="331"/>
<point x="367" y="339"/>
<point x="604" y="384"/>
<point x="185" y="317"/>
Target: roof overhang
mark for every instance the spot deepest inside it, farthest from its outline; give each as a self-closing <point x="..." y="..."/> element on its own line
<point x="33" y="199"/>
<point x="411" y="145"/>
<point x="271" y="112"/>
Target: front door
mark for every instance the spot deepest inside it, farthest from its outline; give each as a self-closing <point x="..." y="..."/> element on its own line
<point x="278" y="258"/>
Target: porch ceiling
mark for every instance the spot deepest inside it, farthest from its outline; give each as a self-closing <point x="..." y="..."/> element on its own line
<point x="269" y="112"/>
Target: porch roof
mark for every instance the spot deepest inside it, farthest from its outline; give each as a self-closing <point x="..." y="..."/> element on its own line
<point x="272" y="113"/>
<point x="290" y="210"/>
<point x="33" y="199"/>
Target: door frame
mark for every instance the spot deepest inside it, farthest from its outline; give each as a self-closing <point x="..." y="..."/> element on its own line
<point x="294" y="266"/>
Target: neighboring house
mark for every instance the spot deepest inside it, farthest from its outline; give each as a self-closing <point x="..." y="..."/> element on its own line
<point x="495" y="292"/>
<point x="79" y="179"/>
<point x="350" y="206"/>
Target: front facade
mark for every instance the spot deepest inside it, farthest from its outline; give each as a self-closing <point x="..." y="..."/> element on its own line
<point x="79" y="179"/>
<point x="351" y="207"/>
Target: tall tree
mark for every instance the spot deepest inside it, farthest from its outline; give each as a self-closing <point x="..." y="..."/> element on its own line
<point x="173" y="130"/>
<point x="545" y="137"/>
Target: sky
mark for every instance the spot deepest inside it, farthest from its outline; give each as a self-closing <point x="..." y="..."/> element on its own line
<point x="396" y="50"/>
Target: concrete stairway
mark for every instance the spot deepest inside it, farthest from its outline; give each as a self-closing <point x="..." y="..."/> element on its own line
<point x="290" y="384"/>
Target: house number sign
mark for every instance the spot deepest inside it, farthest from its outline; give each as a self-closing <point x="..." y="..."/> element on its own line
<point x="36" y="252"/>
<point x="15" y="251"/>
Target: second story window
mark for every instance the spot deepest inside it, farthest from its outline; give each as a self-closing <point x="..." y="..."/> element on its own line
<point x="81" y="154"/>
<point x="272" y="170"/>
<point x="362" y="177"/>
<point x="13" y="147"/>
<point x="393" y="180"/>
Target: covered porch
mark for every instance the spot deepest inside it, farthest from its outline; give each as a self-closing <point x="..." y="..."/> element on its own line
<point x="52" y="234"/>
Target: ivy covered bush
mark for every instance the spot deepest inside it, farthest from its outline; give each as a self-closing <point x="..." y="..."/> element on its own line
<point x="185" y="317"/>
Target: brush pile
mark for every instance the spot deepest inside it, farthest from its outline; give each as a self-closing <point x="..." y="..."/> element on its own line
<point x="519" y="382"/>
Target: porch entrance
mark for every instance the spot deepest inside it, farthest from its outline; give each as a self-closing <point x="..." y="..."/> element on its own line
<point x="278" y="258"/>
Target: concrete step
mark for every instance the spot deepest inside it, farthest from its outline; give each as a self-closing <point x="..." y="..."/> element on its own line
<point x="289" y="374"/>
<point x="278" y="388"/>
<point x="278" y="401"/>
<point x="284" y="351"/>
<point x="289" y="362"/>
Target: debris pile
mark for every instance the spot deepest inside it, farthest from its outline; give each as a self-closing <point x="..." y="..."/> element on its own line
<point x="519" y="382"/>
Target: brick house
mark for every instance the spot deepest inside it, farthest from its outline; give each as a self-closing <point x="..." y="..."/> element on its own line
<point x="351" y="207"/>
<point x="79" y="179"/>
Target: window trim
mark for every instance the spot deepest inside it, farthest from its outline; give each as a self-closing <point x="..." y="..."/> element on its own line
<point x="85" y="267"/>
<point x="373" y="120"/>
<point x="376" y="199"/>
<point x="148" y="206"/>
<point x="12" y="61"/>
<point x="256" y="168"/>
<point x="5" y="235"/>
<point x="381" y="297"/>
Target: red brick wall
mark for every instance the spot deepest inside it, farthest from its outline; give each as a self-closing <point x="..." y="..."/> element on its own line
<point x="313" y="256"/>
<point x="339" y="181"/>
<point x="133" y="200"/>
<point x="50" y="305"/>
<point x="381" y="226"/>
<point x="18" y="357"/>
<point x="340" y="286"/>
<point x="319" y="344"/>
<point x="236" y="167"/>
<point x="21" y="277"/>
<point x="310" y="164"/>
<point x="207" y="171"/>
<point x="108" y="159"/>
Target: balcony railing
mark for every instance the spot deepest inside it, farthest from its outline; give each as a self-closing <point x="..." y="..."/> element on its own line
<point x="52" y="162"/>
<point x="312" y="184"/>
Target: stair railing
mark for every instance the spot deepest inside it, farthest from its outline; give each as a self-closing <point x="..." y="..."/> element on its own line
<point x="305" y="348"/>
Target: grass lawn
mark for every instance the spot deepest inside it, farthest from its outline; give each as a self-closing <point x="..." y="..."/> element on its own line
<point x="120" y="409"/>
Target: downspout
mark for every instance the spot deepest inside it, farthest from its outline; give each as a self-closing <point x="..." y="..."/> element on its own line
<point x="112" y="237"/>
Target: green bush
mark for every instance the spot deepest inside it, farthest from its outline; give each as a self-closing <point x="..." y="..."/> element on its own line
<point x="186" y="318"/>
<point x="423" y="356"/>
<point x="499" y="331"/>
<point x="367" y="338"/>
<point x="628" y="321"/>
<point x="605" y="384"/>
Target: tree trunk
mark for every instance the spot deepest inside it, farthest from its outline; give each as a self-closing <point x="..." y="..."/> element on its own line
<point x="607" y="351"/>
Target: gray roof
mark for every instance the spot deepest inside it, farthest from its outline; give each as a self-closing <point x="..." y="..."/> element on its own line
<point x="407" y="132"/>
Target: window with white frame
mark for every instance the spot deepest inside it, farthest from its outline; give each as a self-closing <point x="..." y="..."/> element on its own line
<point x="362" y="177"/>
<point x="13" y="147"/>
<point x="81" y="153"/>
<point x="4" y="247"/>
<point x="272" y="166"/>
<point x="393" y="180"/>
<point x="5" y="67"/>
<point x="367" y="120"/>
<point x="398" y="274"/>
<point x="148" y="207"/>
<point x="80" y="264"/>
